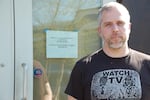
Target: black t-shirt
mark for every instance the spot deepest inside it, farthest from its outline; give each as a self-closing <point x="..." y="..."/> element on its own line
<point x="100" y="77"/>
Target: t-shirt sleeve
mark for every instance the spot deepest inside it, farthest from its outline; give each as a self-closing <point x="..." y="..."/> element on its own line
<point x="75" y="84"/>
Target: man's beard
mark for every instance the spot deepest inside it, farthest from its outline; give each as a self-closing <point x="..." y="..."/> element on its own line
<point x="116" y="45"/>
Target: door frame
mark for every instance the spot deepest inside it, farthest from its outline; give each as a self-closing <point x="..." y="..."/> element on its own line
<point x="23" y="50"/>
<point x="6" y="50"/>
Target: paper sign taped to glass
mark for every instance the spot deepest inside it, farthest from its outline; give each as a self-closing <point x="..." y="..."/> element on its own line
<point x="61" y="44"/>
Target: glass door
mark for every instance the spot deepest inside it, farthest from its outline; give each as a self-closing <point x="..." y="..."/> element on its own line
<point x="16" y="71"/>
<point x="63" y="32"/>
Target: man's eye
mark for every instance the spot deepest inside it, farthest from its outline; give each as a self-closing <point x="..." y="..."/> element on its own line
<point x="120" y="23"/>
<point x="108" y="24"/>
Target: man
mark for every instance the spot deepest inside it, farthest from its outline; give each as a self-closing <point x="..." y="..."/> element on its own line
<point x="115" y="72"/>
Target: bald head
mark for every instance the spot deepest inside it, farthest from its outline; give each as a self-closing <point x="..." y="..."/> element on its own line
<point x="114" y="6"/>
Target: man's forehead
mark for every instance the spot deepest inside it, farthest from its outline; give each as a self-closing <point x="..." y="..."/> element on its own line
<point x="114" y="14"/>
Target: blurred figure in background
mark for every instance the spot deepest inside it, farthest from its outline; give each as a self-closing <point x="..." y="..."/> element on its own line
<point x="42" y="89"/>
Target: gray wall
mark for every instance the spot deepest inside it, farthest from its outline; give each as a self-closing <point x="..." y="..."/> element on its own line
<point x="140" y="18"/>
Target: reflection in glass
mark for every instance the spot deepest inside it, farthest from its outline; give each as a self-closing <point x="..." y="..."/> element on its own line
<point x="63" y="15"/>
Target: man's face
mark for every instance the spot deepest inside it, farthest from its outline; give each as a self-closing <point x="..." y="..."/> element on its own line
<point x="114" y="28"/>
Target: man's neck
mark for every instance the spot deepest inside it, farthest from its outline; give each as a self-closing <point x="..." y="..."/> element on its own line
<point x="116" y="53"/>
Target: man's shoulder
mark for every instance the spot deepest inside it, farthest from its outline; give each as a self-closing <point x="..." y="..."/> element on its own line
<point x="140" y="54"/>
<point x="90" y="57"/>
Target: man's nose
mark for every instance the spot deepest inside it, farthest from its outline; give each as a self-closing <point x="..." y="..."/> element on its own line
<point x="115" y="28"/>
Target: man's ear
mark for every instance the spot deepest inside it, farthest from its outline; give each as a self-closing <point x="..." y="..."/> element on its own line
<point x="130" y="25"/>
<point x="99" y="31"/>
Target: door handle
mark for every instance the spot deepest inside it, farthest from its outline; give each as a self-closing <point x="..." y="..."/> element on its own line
<point x="25" y="68"/>
<point x="2" y="65"/>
